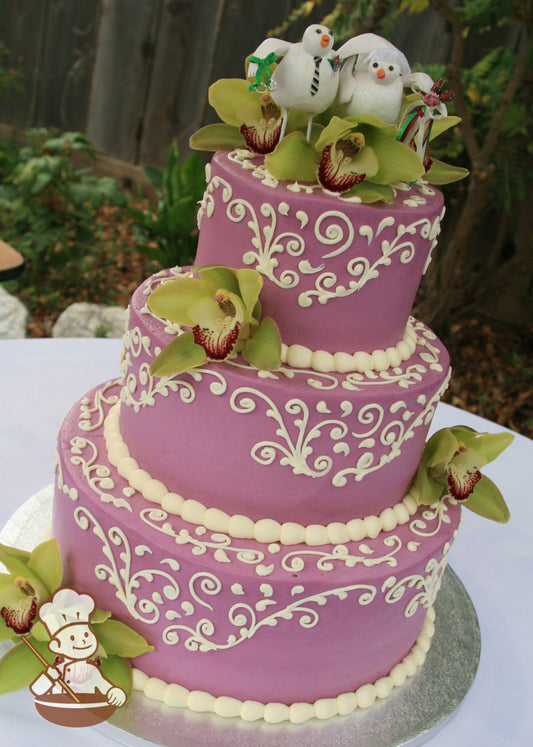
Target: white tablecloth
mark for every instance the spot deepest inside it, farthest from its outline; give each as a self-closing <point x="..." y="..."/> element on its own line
<point x="41" y="379"/>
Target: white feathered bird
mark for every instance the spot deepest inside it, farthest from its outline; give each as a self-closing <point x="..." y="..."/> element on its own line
<point x="307" y="76"/>
<point x="376" y="83"/>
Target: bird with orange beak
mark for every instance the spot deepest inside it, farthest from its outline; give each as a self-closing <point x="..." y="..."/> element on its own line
<point x="376" y="83"/>
<point x="307" y="75"/>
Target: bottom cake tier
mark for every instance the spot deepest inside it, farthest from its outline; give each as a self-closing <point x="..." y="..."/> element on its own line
<point x="240" y="627"/>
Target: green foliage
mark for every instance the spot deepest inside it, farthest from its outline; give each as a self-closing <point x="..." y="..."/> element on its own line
<point x="9" y="76"/>
<point x="484" y="85"/>
<point x="9" y="156"/>
<point x="47" y="204"/>
<point x="101" y="331"/>
<point x="168" y="234"/>
<point x="482" y="15"/>
<point x="301" y="11"/>
<point x="414" y="6"/>
<point x="357" y="16"/>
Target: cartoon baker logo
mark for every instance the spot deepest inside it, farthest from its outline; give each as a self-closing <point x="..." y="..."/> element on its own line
<point x="73" y="691"/>
<point x="58" y="638"/>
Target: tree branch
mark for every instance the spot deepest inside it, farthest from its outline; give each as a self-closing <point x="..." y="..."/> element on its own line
<point x="454" y="67"/>
<point x="513" y="84"/>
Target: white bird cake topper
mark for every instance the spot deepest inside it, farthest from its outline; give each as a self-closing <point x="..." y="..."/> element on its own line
<point x="307" y="76"/>
<point x="375" y="84"/>
<point x="358" y="145"/>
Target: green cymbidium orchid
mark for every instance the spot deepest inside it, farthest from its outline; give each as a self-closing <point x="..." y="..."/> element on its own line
<point x="360" y="157"/>
<point x="356" y="156"/>
<point x="221" y="307"/>
<point x="250" y="119"/>
<point x="32" y="578"/>
<point x="450" y="467"/>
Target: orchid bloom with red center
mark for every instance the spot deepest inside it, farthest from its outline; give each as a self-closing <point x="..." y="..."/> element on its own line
<point x="20" y="615"/>
<point x="218" y="335"/>
<point x="31" y="580"/>
<point x="462" y="480"/>
<point x="220" y="306"/>
<point x="25" y="585"/>
<point x="342" y="156"/>
<point x="249" y="119"/>
<point x="262" y="128"/>
<point x="451" y="467"/>
<point x="357" y="157"/>
<point x="339" y="168"/>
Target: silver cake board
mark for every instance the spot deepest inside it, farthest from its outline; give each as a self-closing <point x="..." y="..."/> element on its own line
<point x="411" y="715"/>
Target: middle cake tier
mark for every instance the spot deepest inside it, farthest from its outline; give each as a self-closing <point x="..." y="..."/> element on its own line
<point x="287" y="447"/>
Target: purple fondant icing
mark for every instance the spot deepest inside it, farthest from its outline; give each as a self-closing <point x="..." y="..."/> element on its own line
<point x="339" y="276"/>
<point x="235" y="617"/>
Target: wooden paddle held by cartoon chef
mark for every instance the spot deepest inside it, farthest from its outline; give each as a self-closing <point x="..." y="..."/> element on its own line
<point x="66" y="618"/>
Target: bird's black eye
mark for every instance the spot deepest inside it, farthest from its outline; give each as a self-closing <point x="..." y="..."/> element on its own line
<point x="391" y="67"/>
<point x="319" y="31"/>
<point x="375" y="64"/>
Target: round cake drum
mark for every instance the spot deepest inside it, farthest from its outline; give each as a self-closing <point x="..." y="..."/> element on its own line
<point x="410" y="715"/>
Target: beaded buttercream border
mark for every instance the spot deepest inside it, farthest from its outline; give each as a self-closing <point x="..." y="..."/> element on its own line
<point x="239" y="526"/>
<point x="177" y="696"/>
<point x="299" y="356"/>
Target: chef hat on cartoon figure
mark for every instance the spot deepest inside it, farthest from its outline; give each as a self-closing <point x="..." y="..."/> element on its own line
<point x="66" y="608"/>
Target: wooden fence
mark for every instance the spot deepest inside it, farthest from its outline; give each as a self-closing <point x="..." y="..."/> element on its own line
<point x="131" y="74"/>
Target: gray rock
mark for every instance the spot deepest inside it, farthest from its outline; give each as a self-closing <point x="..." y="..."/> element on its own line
<point x="13" y="316"/>
<point x="90" y="320"/>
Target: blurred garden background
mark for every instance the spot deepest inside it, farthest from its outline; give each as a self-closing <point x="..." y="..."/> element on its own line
<point x="98" y="187"/>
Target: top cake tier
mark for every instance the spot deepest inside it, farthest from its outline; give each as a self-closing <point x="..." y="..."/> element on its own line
<point x="339" y="276"/>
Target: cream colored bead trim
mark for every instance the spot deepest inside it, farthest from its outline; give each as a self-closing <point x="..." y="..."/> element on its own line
<point x="242" y="527"/>
<point x="177" y="696"/>
<point x="299" y="356"/>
